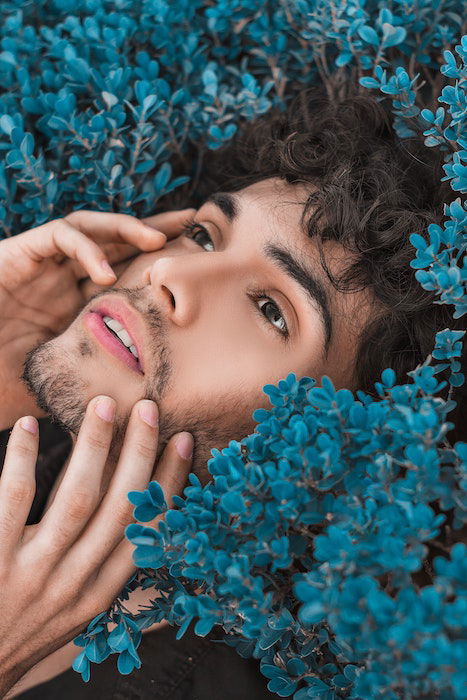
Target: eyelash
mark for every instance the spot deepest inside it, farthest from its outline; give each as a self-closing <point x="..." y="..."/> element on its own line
<point x="191" y="227"/>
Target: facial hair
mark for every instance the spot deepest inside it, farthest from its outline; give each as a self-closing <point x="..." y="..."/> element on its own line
<point x="55" y="380"/>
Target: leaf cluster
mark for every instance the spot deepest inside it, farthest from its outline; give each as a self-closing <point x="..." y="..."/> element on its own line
<point x="327" y="544"/>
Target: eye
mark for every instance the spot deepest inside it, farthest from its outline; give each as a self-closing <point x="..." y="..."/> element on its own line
<point x="192" y="230"/>
<point x="274" y="315"/>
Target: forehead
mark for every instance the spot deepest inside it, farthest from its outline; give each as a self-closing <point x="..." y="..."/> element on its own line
<point x="271" y="211"/>
<point x="275" y="203"/>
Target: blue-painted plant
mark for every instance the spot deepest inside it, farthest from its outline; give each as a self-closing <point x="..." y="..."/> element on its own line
<point x="305" y="545"/>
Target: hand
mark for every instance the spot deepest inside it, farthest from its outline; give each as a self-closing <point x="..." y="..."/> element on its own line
<point x="40" y="294"/>
<point x="57" y="575"/>
<point x="171" y="223"/>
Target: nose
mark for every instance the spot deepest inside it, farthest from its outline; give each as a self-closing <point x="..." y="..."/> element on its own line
<point x="174" y="280"/>
<point x="185" y="284"/>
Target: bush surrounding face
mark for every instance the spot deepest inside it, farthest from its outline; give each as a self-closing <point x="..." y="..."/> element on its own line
<point x="206" y="344"/>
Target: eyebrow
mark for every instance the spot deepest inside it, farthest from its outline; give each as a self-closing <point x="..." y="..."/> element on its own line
<point x="287" y="261"/>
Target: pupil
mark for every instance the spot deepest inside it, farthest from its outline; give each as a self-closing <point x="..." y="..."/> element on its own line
<point x="275" y="316"/>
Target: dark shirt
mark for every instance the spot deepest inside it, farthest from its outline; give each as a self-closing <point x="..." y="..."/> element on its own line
<point x="192" y="668"/>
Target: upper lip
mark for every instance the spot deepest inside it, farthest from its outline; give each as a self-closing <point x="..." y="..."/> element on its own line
<point x="122" y="312"/>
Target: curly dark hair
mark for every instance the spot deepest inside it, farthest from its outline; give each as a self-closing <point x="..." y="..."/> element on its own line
<point x="373" y="191"/>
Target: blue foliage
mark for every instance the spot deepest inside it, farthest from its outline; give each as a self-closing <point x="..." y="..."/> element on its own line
<point x="306" y="544"/>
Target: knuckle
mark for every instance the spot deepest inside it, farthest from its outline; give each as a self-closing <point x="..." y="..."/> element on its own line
<point x="83" y="607"/>
<point x="62" y="596"/>
<point x="62" y="226"/>
<point x="24" y="450"/>
<point x="122" y="513"/>
<point x="19" y="491"/>
<point x="97" y="441"/>
<point x="57" y="543"/>
<point x="81" y="505"/>
<point x="73" y="216"/>
<point x="72" y="593"/>
<point x="90" y="603"/>
<point x="145" y="450"/>
<point x="70" y="217"/>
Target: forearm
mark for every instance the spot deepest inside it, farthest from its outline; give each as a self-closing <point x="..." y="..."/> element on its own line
<point x="8" y="678"/>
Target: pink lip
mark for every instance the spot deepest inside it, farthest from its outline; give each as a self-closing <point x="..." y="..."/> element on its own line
<point x="125" y="315"/>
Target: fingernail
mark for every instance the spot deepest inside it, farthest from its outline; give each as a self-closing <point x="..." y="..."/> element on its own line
<point x="106" y="267"/>
<point x="184" y="445"/>
<point x="105" y="409"/>
<point x="29" y="423"/>
<point x="148" y="412"/>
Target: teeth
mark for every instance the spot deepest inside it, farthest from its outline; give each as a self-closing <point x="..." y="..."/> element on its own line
<point x="113" y="324"/>
<point x="124" y="336"/>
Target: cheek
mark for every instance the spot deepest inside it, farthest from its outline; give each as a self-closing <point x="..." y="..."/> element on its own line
<point x="234" y="360"/>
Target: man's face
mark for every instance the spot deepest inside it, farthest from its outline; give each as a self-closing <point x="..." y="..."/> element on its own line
<point x="206" y="345"/>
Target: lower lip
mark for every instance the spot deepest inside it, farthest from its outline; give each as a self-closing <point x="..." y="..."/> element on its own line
<point x="95" y="323"/>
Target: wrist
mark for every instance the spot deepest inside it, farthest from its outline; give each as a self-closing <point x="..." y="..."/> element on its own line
<point x="8" y="678"/>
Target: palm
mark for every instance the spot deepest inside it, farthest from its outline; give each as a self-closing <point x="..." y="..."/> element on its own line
<point x="31" y="313"/>
<point x="32" y="310"/>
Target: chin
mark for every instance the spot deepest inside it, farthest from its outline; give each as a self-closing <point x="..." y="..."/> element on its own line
<point x="53" y="377"/>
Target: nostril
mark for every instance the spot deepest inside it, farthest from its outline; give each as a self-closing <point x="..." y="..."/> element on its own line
<point x="172" y="298"/>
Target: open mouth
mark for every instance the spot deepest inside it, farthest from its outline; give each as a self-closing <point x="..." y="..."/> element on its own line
<point x="121" y="333"/>
<point x="114" y="337"/>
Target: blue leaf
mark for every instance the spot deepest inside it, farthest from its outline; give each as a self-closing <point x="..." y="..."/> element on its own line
<point x="126" y="663"/>
<point x="368" y="34"/>
<point x="162" y="177"/>
<point x="7" y="124"/>
<point x="392" y="35"/>
<point x="233" y="503"/>
<point x="81" y="664"/>
<point x="369" y="82"/>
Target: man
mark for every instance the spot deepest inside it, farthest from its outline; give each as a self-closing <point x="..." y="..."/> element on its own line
<point x="214" y="316"/>
<point x="296" y="260"/>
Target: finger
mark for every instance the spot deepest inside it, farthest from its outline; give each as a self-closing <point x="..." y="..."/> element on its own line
<point x="104" y="227"/>
<point x="170" y="222"/>
<point x="60" y="236"/>
<point x="17" y="483"/>
<point x="133" y="471"/>
<point x="115" y="253"/>
<point x="173" y="467"/>
<point x="171" y="473"/>
<point x="79" y="492"/>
